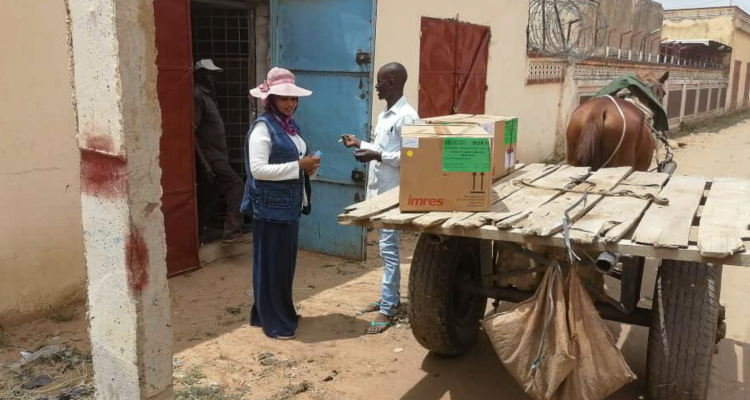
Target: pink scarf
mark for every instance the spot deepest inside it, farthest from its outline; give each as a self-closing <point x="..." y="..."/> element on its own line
<point x="284" y="121"/>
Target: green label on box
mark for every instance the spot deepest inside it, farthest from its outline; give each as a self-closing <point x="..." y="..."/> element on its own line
<point x="511" y="131"/>
<point x="466" y="155"/>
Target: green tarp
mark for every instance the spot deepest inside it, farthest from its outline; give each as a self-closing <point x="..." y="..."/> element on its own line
<point x="634" y="85"/>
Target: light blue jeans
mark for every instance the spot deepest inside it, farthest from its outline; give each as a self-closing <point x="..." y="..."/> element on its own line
<point x="389" y="241"/>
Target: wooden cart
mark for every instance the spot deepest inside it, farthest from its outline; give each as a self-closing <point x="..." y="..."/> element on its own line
<point x="614" y="219"/>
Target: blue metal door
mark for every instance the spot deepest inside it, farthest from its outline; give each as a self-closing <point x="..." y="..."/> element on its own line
<point x="328" y="45"/>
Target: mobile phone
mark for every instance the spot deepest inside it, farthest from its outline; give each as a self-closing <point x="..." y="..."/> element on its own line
<point x="318" y="154"/>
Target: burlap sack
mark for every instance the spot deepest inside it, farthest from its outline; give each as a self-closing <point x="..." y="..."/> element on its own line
<point x="517" y="334"/>
<point x="600" y="367"/>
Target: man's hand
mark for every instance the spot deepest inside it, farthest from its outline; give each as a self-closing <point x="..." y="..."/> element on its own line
<point x="309" y="164"/>
<point x="210" y="176"/>
<point x="365" y="156"/>
<point x="351" y="141"/>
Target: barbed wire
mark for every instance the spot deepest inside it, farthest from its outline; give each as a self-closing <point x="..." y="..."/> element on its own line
<point x="566" y="28"/>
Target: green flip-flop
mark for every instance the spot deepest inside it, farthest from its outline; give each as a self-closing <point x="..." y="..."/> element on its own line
<point x="381" y="327"/>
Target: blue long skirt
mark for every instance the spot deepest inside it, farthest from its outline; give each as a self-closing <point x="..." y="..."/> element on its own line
<point x="274" y="262"/>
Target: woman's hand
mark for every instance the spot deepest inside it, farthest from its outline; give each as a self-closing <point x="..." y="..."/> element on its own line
<point x="309" y="164"/>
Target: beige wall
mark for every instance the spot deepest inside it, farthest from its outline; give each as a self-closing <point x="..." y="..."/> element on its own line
<point x="41" y="250"/>
<point x="536" y="106"/>
<point x="724" y="24"/>
<point x="740" y="52"/>
<point x="639" y="16"/>
<point x="718" y="28"/>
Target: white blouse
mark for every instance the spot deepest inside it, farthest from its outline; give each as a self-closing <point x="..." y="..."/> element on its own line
<point x="259" y="151"/>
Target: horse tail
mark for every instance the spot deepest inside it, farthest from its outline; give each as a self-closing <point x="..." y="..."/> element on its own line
<point x="590" y="146"/>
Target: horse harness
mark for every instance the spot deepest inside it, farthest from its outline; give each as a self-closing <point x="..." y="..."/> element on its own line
<point x="649" y="121"/>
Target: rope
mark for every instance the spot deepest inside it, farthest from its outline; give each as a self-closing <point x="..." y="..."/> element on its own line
<point x="566" y="222"/>
<point x="624" y="129"/>
<point x="600" y="192"/>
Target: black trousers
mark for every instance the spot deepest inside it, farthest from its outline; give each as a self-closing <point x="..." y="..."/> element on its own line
<point x="228" y="185"/>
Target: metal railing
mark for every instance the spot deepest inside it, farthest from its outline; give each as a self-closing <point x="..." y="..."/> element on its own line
<point x="656" y="58"/>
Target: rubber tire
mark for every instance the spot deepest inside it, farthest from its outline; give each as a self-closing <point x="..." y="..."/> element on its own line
<point x="438" y="324"/>
<point x="683" y="330"/>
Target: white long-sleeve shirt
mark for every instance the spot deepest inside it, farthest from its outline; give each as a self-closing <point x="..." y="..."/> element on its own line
<point x="259" y="151"/>
<point x="384" y="175"/>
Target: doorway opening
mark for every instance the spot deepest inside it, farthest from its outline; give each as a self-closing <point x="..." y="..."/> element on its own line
<point x="224" y="31"/>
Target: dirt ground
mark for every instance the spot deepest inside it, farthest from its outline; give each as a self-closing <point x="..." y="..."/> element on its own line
<point x="217" y="356"/>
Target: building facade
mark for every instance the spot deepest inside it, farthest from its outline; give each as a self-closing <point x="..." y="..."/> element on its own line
<point x="468" y="56"/>
<point x="728" y="25"/>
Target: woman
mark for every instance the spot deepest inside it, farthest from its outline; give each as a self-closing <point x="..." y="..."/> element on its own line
<point x="277" y="191"/>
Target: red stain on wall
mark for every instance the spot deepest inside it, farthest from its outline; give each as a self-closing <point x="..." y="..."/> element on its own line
<point x="136" y="260"/>
<point x="100" y="143"/>
<point x="102" y="173"/>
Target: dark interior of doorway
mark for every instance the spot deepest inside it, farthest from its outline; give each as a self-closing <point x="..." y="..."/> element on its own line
<point x="223" y="30"/>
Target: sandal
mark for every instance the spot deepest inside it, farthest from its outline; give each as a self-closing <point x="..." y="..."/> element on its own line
<point x="373" y="307"/>
<point x="378" y="327"/>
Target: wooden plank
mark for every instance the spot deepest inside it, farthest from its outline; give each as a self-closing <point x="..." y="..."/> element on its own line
<point x="374" y="206"/>
<point x="516" y="206"/>
<point x="725" y="218"/>
<point x="396" y="217"/>
<point x="387" y="214"/>
<point x="504" y="188"/>
<point x="624" y="246"/>
<point x="387" y="197"/>
<point x="438" y="217"/>
<point x="614" y="217"/>
<point x="744" y="235"/>
<point x="669" y="225"/>
<point x="532" y="172"/>
<point x="456" y="219"/>
<point x="548" y="219"/>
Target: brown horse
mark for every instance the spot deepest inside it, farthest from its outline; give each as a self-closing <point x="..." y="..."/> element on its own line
<point x="595" y="134"/>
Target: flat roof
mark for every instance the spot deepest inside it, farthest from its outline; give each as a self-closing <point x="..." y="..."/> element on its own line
<point x="709" y="43"/>
<point x="736" y="8"/>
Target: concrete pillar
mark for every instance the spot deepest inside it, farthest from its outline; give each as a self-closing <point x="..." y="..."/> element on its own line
<point x="119" y="127"/>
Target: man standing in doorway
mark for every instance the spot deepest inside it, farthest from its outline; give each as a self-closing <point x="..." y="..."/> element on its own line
<point x="215" y="174"/>
<point x="384" y="157"/>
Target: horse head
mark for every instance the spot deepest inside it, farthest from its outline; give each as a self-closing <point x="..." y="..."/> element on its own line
<point x="658" y="86"/>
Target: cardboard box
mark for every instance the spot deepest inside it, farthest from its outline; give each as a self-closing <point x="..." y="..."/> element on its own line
<point x="445" y="168"/>
<point x="505" y="131"/>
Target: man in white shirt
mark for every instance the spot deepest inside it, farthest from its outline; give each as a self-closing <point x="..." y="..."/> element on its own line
<point x="384" y="157"/>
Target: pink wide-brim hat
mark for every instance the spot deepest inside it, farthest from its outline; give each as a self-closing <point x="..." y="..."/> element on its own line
<point x="280" y="82"/>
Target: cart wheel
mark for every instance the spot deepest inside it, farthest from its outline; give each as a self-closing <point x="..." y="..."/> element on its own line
<point x="684" y="330"/>
<point x="444" y="319"/>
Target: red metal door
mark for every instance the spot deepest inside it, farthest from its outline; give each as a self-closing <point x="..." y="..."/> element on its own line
<point x="452" y="67"/>
<point x="437" y="67"/>
<point x="472" y="54"/>
<point x="175" y="89"/>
